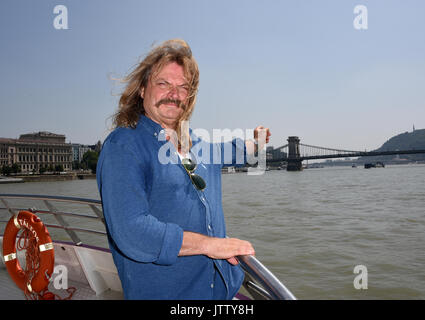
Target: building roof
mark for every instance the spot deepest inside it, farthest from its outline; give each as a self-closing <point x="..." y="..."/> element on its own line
<point x="7" y="140"/>
<point x="41" y="137"/>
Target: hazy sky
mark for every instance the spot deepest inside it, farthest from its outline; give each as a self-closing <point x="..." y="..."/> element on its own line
<point x="299" y="67"/>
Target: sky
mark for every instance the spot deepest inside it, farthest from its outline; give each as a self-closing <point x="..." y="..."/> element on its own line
<point x="298" y="67"/>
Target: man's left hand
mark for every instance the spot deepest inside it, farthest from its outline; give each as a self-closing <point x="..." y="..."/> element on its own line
<point x="261" y="136"/>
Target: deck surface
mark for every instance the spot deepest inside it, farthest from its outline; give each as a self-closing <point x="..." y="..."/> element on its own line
<point x="9" y="291"/>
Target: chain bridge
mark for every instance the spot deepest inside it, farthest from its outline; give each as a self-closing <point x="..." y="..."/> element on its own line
<point x="295" y="152"/>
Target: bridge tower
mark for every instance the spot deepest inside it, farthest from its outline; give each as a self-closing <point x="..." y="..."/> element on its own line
<point x="294" y="159"/>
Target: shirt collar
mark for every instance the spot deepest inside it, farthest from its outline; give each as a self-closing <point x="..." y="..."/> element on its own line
<point x="156" y="130"/>
<point x="148" y="124"/>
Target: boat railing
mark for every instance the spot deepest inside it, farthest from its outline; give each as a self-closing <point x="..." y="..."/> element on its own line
<point x="259" y="281"/>
<point x="271" y="288"/>
<point x="94" y="205"/>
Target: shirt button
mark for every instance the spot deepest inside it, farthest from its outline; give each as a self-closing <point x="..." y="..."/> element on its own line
<point x="155" y="134"/>
<point x="212" y="285"/>
<point x="209" y="227"/>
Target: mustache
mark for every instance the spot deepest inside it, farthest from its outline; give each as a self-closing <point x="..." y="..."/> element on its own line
<point x="177" y="102"/>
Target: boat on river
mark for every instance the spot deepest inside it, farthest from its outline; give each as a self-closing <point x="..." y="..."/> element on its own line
<point x="82" y="259"/>
<point x="374" y="165"/>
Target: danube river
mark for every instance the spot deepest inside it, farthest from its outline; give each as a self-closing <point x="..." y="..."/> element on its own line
<point x="312" y="228"/>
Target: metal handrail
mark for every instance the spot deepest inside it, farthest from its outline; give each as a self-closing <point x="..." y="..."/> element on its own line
<point x="48" y="197"/>
<point x="69" y="214"/>
<point x="266" y="278"/>
<point x="270" y="287"/>
<point x="71" y="231"/>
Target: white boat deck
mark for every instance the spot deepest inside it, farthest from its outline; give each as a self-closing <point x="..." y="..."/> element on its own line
<point x="84" y="273"/>
<point x="9" y="291"/>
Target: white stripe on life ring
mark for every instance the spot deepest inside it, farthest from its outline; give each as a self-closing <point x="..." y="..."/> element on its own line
<point x="15" y="221"/>
<point x="46" y="246"/>
<point x="10" y="257"/>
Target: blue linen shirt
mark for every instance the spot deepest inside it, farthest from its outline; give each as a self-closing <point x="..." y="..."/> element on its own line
<point x="148" y="205"/>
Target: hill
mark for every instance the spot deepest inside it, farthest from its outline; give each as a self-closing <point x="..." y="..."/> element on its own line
<point x="405" y="141"/>
<point x="414" y="140"/>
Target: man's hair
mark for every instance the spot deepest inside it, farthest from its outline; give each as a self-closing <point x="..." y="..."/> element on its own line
<point x="131" y="103"/>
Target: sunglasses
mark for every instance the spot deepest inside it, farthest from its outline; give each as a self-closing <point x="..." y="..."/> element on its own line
<point x="197" y="180"/>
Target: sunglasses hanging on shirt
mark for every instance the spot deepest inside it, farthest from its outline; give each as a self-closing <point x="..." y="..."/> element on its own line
<point x="190" y="166"/>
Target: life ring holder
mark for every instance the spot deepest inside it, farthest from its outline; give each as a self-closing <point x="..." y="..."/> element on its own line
<point x="36" y="228"/>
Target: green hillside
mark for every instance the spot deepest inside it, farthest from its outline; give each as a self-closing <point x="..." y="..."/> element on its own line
<point x="414" y="140"/>
<point x="405" y="141"/>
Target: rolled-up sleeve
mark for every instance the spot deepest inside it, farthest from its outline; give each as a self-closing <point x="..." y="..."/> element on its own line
<point x="135" y="231"/>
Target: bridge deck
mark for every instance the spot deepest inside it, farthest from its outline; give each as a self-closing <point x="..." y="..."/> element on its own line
<point x="348" y="155"/>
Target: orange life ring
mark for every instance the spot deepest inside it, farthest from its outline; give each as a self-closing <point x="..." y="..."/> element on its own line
<point x="40" y="281"/>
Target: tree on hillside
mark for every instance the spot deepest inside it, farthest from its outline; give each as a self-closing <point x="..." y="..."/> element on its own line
<point x="90" y="160"/>
<point x="16" y="168"/>
<point x="6" y="170"/>
<point x="76" y="165"/>
<point x="58" y="168"/>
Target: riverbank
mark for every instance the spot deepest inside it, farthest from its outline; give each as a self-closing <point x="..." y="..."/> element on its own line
<point x="10" y="180"/>
<point x="47" y="177"/>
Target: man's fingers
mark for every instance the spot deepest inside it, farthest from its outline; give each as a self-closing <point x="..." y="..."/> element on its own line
<point x="243" y="247"/>
<point x="267" y="133"/>
<point x="233" y="261"/>
<point x="226" y="248"/>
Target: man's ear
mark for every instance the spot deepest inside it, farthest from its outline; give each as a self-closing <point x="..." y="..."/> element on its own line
<point x="142" y="92"/>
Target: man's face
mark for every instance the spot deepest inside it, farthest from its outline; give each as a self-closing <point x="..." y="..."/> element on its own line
<point x="165" y="95"/>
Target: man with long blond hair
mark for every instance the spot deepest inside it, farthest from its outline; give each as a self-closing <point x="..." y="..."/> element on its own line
<point x="165" y="221"/>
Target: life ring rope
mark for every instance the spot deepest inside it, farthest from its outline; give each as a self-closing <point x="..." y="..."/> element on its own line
<point x="35" y="239"/>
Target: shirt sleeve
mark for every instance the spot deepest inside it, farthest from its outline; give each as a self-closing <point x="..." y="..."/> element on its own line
<point x="233" y="153"/>
<point x="135" y="231"/>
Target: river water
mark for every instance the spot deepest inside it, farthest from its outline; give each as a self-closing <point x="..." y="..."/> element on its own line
<point x="312" y="228"/>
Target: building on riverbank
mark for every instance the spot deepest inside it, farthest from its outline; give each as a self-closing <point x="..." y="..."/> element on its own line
<point x="37" y="150"/>
<point x="79" y="150"/>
